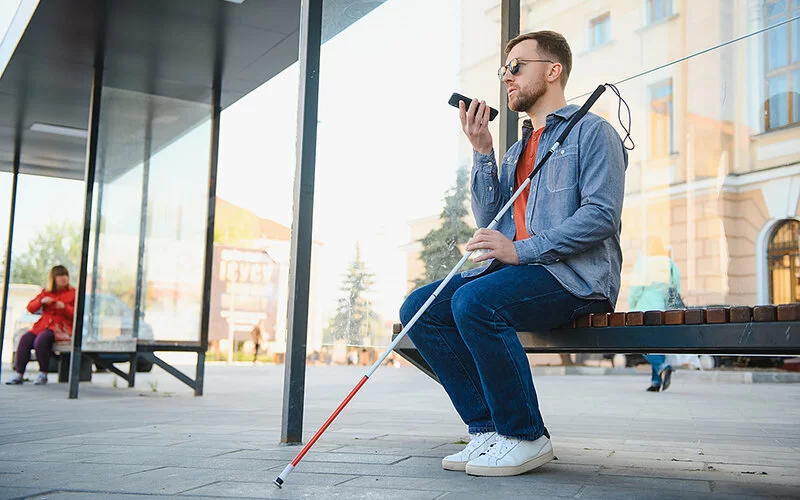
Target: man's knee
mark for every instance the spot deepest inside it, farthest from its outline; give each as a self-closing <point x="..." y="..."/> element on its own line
<point x="466" y="303"/>
<point x="411" y="305"/>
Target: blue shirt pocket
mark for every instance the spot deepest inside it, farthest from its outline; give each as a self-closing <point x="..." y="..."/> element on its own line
<point x="562" y="169"/>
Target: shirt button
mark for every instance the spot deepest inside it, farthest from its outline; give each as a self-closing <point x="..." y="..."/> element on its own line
<point x="490" y="188"/>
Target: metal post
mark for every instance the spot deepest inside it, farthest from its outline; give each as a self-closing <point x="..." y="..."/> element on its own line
<point x="98" y="221"/>
<point x="509" y="120"/>
<point x="11" y="214"/>
<point x="139" y="294"/>
<point x="303" y="212"/>
<point x="91" y="166"/>
<point x="216" y="109"/>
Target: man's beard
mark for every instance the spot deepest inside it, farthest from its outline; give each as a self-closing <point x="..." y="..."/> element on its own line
<point x="526" y="100"/>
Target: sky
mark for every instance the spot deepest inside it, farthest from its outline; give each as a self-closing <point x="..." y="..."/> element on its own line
<point x="386" y="150"/>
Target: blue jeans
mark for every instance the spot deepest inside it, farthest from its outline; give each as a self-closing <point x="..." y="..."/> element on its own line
<point x="658" y="362"/>
<point x="468" y="337"/>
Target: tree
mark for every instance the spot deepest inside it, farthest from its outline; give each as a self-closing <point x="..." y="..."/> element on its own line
<point x="354" y="321"/>
<point x="57" y="243"/>
<point x="440" y="247"/>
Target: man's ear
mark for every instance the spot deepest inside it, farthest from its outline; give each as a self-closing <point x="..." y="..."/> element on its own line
<point x="555" y="73"/>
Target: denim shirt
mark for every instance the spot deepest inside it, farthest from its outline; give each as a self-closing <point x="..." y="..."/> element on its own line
<point x="574" y="206"/>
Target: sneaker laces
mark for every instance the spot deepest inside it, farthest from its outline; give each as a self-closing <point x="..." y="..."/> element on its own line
<point x="500" y="447"/>
<point x="477" y="441"/>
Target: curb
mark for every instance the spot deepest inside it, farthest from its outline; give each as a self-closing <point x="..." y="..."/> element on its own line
<point x="740" y="377"/>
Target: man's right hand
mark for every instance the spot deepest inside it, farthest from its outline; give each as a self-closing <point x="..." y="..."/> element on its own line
<point x="476" y="125"/>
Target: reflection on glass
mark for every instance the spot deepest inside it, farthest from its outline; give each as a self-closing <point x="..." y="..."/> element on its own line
<point x="151" y="176"/>
<point x="47" y="232"/>
<point x="5" y="194"/>
<point x="714" y="168"/>
<point x="661" y="131"/>
<point x="176" y="229"/>
<point x="114" y="239"/>
<point x="389" y="153"/>
<point x="713" y="171"/>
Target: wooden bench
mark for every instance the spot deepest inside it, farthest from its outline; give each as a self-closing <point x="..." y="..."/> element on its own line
<point x="766" y="330"/>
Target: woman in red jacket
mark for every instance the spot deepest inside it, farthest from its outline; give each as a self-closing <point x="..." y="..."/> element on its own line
<point x="56" y="302"/>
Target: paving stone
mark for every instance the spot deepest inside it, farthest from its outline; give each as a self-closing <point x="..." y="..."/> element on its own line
<point x="612" y="439"/>
<point x="461" y="483"/>
<point x="259" y="490"/>
<point x="12" y="492"/>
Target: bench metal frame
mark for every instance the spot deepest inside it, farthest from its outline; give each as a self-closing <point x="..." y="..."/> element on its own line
<point x="779" y="338"/>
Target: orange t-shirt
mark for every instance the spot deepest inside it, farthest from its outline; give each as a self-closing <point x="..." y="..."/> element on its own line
<point x="525" y="165"/>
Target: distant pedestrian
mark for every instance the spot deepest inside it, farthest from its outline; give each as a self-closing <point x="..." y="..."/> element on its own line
<point x="656" y="286"/>
<point x="255" y="336"/>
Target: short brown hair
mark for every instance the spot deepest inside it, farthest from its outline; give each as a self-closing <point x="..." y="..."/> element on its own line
<point x="551" y="44"/>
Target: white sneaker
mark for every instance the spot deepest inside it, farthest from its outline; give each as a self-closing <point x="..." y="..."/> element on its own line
<point x="510" y="456"/>
<point x="41" y="379"/>
<point x="15" y="380"/>
<point x="478" y="444"/>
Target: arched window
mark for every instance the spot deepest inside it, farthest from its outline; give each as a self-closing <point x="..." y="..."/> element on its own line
<point x="783" y="259"/>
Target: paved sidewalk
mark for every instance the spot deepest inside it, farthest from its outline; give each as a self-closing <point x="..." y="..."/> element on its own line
<point x="612" y="439"/>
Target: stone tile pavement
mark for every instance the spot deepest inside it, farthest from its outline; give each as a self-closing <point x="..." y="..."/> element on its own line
<point x="704" y="438"/>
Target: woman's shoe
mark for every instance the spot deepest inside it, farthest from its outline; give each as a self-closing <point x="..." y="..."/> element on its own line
<point x="666" y="376"/>
<point x="654" y="388"/>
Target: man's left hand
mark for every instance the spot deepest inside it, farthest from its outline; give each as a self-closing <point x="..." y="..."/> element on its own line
<point x="500" y="247"/>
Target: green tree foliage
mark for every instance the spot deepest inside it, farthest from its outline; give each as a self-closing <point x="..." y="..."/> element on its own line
<point x="440" y="247"/>
<point x="355" y="321"/>
<point x="57" y="243"/>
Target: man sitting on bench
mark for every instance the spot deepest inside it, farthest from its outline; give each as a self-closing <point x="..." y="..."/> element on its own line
<point x="557" y="257"/>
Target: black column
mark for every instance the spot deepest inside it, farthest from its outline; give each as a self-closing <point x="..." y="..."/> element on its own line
<point x="216" y="109"/>
<point x="91" y="167"/>
<point x="140" y="294"/>
<point x="11" y="214"/>
<point x="303" y="212"/>
<point x="509" y="15"/>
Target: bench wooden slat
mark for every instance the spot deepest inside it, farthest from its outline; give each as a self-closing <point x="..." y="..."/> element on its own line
<point x="764" y="313"/>
<point x="674" y="317"/>
<point x="583" y="321"/>
<point x="788" y="312"/>
<point x="653" y="318"/>
<point x="599" y="319"/>
<point x="741" y="314"/>
<point x="635" y="318"/>
<point x="695" y="316"/>
<point x="716" y="315"/>
<point x="616" y="319"/>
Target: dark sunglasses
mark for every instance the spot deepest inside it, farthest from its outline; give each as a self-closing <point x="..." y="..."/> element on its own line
<point x="515" y="64"/>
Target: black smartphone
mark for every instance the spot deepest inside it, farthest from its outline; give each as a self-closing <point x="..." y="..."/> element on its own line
<point x="456" y="97"/>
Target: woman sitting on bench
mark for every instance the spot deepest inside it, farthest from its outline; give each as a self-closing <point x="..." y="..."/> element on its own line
<point x="56" y="302"/>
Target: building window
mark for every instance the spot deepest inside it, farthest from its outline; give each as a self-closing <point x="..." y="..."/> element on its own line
<point x="658" y="10"/>
<point x="783" y="261"/>
<point x="600" y="30"/>
<point x="782" y="65"/>
<point x="661" y="120"/>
